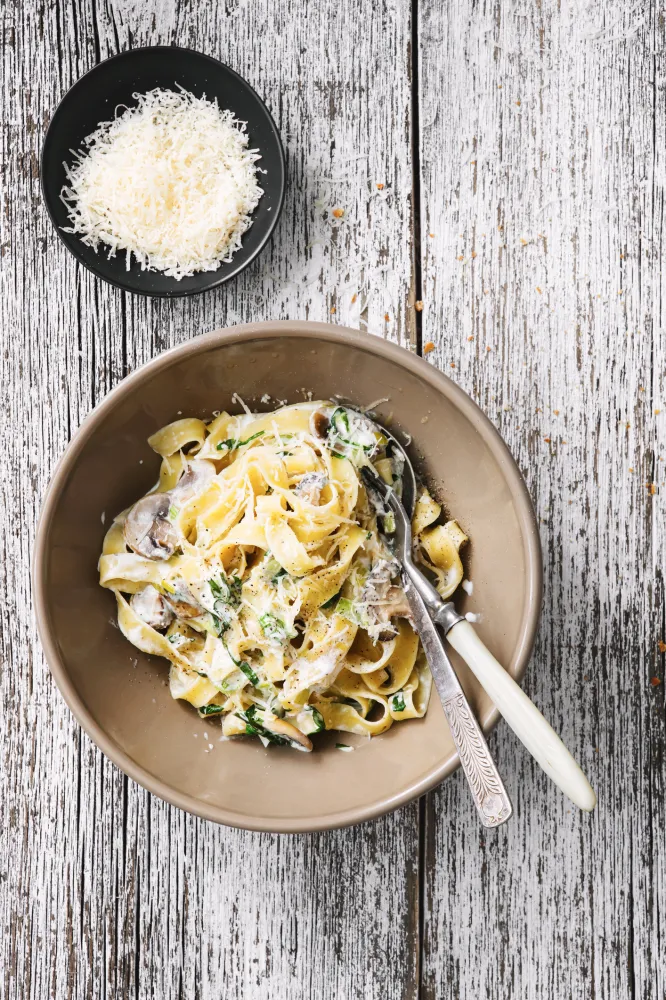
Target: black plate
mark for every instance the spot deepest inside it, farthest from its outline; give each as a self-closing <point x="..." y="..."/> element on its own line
<point x="94" y="98"/>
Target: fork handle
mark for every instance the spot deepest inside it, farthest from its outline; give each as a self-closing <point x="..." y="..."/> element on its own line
<point x="488" y="792"/>
<point x="523" y="717"/>
<point x="487" y="788"/>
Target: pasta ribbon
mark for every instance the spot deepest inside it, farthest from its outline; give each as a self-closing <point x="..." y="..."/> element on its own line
<point x="286" y="548"/>
<point x="442" y="545"/>
<point x="175" y="436"/>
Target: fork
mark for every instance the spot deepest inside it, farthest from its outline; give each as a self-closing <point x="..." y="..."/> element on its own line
<point x="520" y="713"/>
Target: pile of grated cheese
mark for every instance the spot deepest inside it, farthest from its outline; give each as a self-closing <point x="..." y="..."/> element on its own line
<point x="170" y="181"/>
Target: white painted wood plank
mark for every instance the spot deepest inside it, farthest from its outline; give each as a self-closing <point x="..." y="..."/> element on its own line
<point x="105" y="891"/>
<point x="542" y="186"/>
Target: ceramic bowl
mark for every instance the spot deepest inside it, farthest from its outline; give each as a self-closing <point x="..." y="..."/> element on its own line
<point x="121" y="697"/>
<point x="114" y="82"/>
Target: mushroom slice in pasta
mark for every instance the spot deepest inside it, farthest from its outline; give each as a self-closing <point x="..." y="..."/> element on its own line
<point x="382" y="600"/>
<point x="380" y="616"/>
<point x="198" y="475"/>
<point x="282" y="728"/>
<point x="310" y="487"/>
<point x="319" y="424"/>
<point x="182" y="602"/>
<point x="151" y="607"/>
<point x="148" y="530"/>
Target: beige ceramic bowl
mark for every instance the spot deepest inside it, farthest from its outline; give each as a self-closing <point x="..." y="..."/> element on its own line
<point x="120" y="696"/>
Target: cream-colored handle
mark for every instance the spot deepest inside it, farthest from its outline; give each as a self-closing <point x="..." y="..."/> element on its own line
<point x="523" y="716"/>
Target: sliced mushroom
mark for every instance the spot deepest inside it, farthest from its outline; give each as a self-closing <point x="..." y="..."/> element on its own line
<point x="398" y="605"/>
<point x="294" y="735"/>
<point x="393" y="604"/>
<point x="183" y="604"/>
<point x="151" y="607"/>
<point x="387" y="633"/>
<point x="319" y="424"/>
<point x="148" y="532"/>
<point x="379" y="588"/>
<point x="380" y="578"/>
<point x="310" y="487"/>
<point x="200" y="473"/>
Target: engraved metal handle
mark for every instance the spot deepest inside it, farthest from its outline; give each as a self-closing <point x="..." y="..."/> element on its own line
<point x="488" y="791"/>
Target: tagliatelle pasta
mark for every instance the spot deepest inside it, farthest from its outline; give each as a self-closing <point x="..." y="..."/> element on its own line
<point x="258" y="567"/>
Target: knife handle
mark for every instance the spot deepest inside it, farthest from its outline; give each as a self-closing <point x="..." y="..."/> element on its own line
<point x="523" y="716"/>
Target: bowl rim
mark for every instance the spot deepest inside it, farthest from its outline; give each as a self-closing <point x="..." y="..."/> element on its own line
<point x="261" y="331"/>
<point x="129" y="54"/>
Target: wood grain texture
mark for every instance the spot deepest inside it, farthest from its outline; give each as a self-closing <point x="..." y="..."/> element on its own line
<point x="105" y="891"/>
<point x="542" y="157"/>
<point x="542" y="166"/>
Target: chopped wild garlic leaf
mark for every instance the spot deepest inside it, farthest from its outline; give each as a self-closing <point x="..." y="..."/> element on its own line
<point x="232" y="444"/>
<point x="244" y="666"/>
<point x="274" y="628"/>
<point x="399" y="702"/>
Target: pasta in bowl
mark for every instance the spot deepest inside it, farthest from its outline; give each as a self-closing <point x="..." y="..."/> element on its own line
<point x="258" y="567"/>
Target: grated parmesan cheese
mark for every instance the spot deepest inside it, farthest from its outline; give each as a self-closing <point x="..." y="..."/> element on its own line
<point x="170" y="181"/>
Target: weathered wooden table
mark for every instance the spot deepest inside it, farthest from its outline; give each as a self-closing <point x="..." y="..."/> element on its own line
<point x="504" y="162"/>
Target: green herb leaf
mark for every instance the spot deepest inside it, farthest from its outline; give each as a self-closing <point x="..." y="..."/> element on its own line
<point x="233" y="444"/>
<point x="274" y="628"/>
<point x="341" y="442"/>
<point x="220" y="624"/>
<point x="248" y="671"/>
<point x="318" y="718"/>
<point x="277" y="708"/>
<point x="242" y="665"/>
<point x="343" y="746"/>
<point x="223" y="611"/>
<point x="310" y="720"/>
<point x="251" y="438"/>
<point x="228" y="590"/>
<point x="254" y="727"/>
<point x="235" y="591"/>
<point x="398" y="702"/>
<point x="211" y="710"/>
<point x="340" y="421"/>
